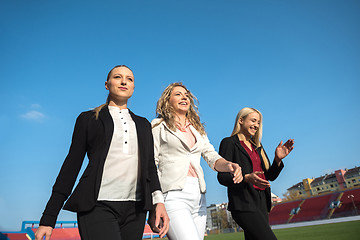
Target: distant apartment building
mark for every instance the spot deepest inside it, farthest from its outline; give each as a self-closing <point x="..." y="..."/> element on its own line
<point x="337" y="181"/>
<point x="219" y="218"/>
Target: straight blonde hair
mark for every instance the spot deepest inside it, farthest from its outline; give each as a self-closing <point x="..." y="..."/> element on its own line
<point x="256" y="139"/>
<point x="166" y="112"/>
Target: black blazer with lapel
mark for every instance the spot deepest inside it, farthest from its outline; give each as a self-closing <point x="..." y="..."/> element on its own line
<point x="93" y="137"/>
<point x="243" y="196"/>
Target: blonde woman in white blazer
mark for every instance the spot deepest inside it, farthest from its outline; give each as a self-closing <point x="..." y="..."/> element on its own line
<point x="179" y="143"/>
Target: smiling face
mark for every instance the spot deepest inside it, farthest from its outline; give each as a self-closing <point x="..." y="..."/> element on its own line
<point x="179" y="100"/>
<point x="120" y="84"/>
<point x="250" y="124"/>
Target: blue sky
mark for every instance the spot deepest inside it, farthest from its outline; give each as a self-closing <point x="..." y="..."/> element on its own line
<point x="298" y="62"/>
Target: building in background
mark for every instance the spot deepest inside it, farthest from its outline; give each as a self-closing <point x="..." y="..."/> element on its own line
<point x="338" y="181"/>
<point x="219" y="218"/>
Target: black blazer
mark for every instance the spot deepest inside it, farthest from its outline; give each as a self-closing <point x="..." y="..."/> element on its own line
<point x="93" y="137"/>
<point x="243" y="196"/>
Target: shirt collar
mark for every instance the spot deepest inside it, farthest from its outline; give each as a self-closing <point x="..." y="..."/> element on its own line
<point x="116" y="109"/>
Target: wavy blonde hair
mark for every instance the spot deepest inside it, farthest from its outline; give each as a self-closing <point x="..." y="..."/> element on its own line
<point x="167" y="113"/>
<point x="256" y="139"/>
<point x="98" y="109"/>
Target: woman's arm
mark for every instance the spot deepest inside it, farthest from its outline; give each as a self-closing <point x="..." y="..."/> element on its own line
<point x="222" y="165"/>
<point x="158" y="218"/>
<point x="153" y="157"/>
<point x="227" y="151"/>
<point x="156" y="138"/>
<point x="218" y="163"/>
<point x="68" y="173"/>
<point x="281" y="151"/>
<point x="66" y="178"/>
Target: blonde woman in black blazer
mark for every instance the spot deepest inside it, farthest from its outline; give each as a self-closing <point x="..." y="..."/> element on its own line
<point x="94" y="135"/>
<point x="250" y="200"/>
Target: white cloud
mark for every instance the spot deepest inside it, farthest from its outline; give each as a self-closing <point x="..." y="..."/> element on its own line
<point x="33" y="115"/>
<point x="35" y="105"/>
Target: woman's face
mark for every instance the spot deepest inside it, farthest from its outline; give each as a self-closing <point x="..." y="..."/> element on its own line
<point x="179" y="100"/>
<point x="250" y="125"/>
<point x="120" y="83"/>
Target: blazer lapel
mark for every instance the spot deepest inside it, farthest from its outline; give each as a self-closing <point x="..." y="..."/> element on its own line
<point x="242" y="149"/>
<point x="197" y="137"/>
<point x="178" y="134"/>
<point x="107" y="120"/>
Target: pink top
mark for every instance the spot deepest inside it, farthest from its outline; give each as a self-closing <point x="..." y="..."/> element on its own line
<point x="190" y="140"/>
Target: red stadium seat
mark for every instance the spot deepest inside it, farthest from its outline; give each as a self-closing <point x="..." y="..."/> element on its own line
<point x="280" y="213"/>
<point x="348" y="200"/>
<point x="314" y="208"/>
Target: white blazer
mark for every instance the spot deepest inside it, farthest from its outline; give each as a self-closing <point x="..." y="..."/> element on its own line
<point x="173" y="156"/>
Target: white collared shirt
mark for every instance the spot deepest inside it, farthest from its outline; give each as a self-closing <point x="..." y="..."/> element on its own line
<point x="120" y="176"/>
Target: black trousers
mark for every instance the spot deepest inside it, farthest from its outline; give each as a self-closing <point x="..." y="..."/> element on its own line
<point x="112" y="221"/>
<point x="255" y="224"/>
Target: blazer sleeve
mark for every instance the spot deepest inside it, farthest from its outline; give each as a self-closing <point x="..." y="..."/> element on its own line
<point x="157" y="196"/>
<point x="227" y="151"/>
<point x="68" y="173"/>
<point x="156" y="137"/>
<point x="152" y="169"/>
<point x="208" y="153"/>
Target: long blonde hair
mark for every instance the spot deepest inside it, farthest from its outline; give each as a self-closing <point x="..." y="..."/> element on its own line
<point x="256" y="139"/>
<point x="166" y="112"/>
<point x="98" y="109"/>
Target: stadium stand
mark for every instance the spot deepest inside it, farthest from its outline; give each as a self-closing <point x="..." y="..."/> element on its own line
<point x="148" y="233"/>
<point x="349" y="204"/>
<point x="280" y="213"/>
<point x="64" y="230"/>
<point x="331" y="205"/>
<point x="64" y="234"/>
<point x="314" y="208"/>
<point x="14" y="236"/>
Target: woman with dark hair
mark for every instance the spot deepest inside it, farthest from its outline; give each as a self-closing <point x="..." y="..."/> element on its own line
<point x="250" y="200"/>
<point x="180" y="141"/>
<point x="115" y="191"/>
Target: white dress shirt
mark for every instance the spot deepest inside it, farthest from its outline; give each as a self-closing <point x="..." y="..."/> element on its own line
<point x="120" y="176"/>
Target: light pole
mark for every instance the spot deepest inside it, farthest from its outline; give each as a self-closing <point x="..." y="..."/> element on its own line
<point x="352" y="199"/>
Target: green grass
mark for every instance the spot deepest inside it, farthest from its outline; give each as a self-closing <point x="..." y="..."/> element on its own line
<point x="338" y="231"/>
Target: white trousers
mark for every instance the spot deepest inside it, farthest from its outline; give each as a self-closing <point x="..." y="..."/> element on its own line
<point x="187" y="212"/>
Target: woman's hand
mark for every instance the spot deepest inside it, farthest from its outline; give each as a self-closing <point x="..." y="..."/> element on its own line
<point x="254" y="179"/>
<point x="235" y="170"/>
<point x="222" y="165"/>
<point x="159" y="220"/>
<point x="282" y="151"/>
<point x="43" y="231"/>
